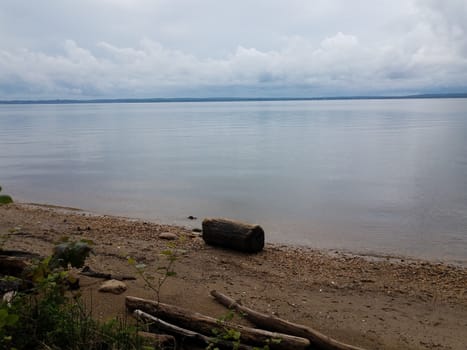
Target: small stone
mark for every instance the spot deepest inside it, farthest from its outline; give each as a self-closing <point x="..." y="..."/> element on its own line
<point x="191" y="217"/>
<point x="196" y="229"/>
<point x="168" y="236"/>
<point x="8" y="297"/>
<point x="113" y="286"/>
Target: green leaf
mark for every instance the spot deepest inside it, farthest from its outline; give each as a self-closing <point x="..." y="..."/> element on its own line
<point x="12" y="319"/>
<point x="5" y="199"/>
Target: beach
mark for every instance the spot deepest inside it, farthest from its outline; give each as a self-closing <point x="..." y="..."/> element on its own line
<point x="376" y="302"/>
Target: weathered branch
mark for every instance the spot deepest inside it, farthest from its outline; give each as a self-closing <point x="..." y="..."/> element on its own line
<point x="205" y="325"/>
<point x="185" y="333"/>
<point x="317" y="339"/>
<point x="13" y="262"/>
<point x="87" y="271"/>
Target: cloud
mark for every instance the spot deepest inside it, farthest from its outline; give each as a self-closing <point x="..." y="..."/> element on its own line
<point x="430" y="53"/>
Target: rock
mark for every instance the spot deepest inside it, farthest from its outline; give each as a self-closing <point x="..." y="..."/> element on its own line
<point x="196" y="229"/>
<point x="8" y="297"/>
<point x="191" y="217"/>
<point x="113" y="286"/>
<point x="168" y="235"/>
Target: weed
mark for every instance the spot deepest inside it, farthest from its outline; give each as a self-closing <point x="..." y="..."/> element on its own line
<point x="225" y="333"/>
<point x="49" y="316"/>
<point x="164" y="271"/>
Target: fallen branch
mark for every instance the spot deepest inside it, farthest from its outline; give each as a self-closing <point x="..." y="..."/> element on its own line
<point x="317" y="339"/>
<point x="13" y="262"/>
<point x="194" y="336"/>
<point x="206" y="325"/>
<point x="87" y="271"/>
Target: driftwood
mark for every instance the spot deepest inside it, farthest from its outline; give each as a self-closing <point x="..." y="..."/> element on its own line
<point x="87" y="271"/>
<point x="317" y="339"/>
<point x="13" y="262"/>
<point x="160" y="341"/>
<point x="233" y="234"/>
<point x="12" y="266"/>
<point x="185" y="333"/>
<point x="205" y="325"/>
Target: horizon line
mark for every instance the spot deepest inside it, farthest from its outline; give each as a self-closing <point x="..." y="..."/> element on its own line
<point x="230" y="99"/>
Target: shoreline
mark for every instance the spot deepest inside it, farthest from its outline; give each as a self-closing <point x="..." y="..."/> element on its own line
<point x="185" y="224"/>
<point x="375" y="302"/>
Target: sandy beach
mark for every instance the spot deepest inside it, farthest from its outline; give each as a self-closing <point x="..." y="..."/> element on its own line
<point x="370" y="301"/>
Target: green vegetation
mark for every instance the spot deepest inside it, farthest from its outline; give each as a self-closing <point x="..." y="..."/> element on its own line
<point x="4" y="198"/>
<point x="50" y="316"/>
<point x="165" y="271"/>
<point x="224" y="333"/>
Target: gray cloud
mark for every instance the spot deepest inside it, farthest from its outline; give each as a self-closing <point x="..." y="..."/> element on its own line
<point x="142" y="48"/>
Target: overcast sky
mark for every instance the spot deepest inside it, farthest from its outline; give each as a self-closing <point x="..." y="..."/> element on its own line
<point x="203" y="48"/>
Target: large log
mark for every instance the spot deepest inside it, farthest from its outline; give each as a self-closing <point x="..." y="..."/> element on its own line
<point x="206" y="325"/>
<point x="317" y="339"/>
<point x="233" y="234"/>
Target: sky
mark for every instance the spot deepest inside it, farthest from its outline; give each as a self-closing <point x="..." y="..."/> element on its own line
<point x="217" y="48"/>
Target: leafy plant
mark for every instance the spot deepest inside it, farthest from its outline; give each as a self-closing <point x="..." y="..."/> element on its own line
<point x="73" y="253"/>
<point x="5" y="199"/>
<point x="163" y="271"/>
<point x="224" y="333"/>
<point x="49" y="316"/>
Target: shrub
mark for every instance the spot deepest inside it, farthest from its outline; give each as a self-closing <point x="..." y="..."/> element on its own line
<point x="5" y="199"/>
<point x="50" y="316"/>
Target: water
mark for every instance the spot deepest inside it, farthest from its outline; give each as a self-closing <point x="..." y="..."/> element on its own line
<point x="369" y="176"/>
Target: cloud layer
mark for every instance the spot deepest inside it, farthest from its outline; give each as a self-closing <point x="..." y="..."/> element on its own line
<point x="412" y="48"/>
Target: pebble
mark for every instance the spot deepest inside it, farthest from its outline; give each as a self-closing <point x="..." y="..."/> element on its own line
<point x="168" y="236"/>
<point x="113" y="286"/>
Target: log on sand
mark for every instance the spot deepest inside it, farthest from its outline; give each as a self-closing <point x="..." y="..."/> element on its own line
<point x="185" y="333"/>
<point x="317" y="339"/>
<point x="205" y="325"/>
<point x="13" y="262"/>
<point x="233" y="234"/>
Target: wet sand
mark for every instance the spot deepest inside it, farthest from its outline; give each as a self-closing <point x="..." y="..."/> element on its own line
<point x="373" y="302"/>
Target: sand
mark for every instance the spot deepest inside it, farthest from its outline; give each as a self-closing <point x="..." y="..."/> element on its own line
<point x="369" y="301"/>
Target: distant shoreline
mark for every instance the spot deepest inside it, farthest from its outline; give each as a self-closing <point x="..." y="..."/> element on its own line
<point x="228" y="99"/>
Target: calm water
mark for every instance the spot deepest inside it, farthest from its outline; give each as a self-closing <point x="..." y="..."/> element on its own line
<point x="385" y="176"/>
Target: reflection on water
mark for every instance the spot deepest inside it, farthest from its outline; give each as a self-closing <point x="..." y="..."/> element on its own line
<point x="385" y="176"/>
